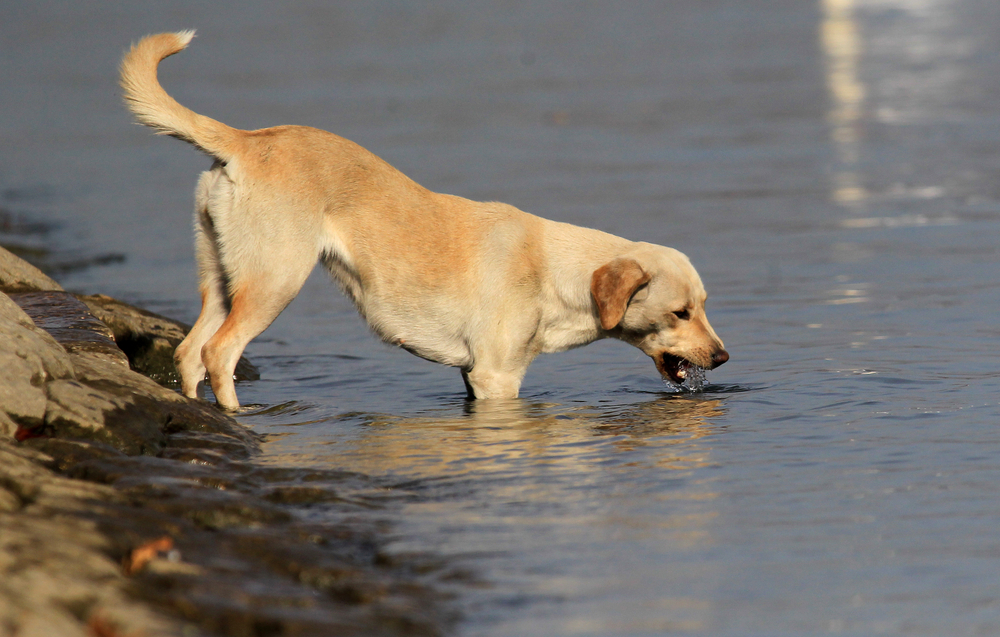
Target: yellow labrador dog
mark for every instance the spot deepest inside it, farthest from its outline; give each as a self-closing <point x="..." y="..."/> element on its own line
<point x="479" y="286"/>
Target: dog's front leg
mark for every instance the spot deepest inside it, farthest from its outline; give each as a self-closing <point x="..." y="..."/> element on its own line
<point x="485" y="382"/>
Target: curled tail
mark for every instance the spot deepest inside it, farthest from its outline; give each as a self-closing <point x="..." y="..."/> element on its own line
<point x="153" y="107"/>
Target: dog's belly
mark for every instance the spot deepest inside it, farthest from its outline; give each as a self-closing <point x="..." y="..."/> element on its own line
<point x="422" y="328"/>
<point x="431" y="343"/>
<point x="433" y="336"/>
<point x="453" y="355"/>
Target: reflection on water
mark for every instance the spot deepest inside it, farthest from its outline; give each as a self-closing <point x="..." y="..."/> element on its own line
<point x="490" y="436"/>
<point x="920" y="50"/>
<point x="519" y="491"/>
<point x="842" y="46"/>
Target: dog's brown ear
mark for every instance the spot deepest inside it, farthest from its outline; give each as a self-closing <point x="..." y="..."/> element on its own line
<point x="612" y="285"/>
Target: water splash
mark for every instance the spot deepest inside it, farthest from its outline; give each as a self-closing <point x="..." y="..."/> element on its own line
<point x="694" y="382"/>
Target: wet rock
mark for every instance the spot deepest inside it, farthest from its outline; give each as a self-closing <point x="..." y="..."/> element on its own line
<point x="55" y="575"/>
<point x="243" y="565"/>
<point x="131" y="412"/>
<point x="62" y="454"/>
<point x="204" y="457"/>
<point x="224" y="446"/>
<point x="29" y="358"/>
<point x="149" y="340"/>
<point x="241" y="562"/>
<point x="141" y="466"/>
<point x="109" y="414"/>
<point x="70" y="323"/>
<point x="301" y="495"/>
<point x="17" y="275"/>
<point x="130" y="471"/>
<point x="70" y="381"/>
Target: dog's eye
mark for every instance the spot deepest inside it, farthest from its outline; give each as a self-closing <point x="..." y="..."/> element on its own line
<point x="682" y="315"/>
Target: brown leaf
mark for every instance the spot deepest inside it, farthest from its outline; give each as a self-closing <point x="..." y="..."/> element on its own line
<point x="142" y="555"/>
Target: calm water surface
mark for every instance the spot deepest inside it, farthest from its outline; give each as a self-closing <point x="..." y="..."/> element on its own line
<point x="832" y="170"/>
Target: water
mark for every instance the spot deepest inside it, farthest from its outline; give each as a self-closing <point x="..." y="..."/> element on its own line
<point x="831" y="169"/>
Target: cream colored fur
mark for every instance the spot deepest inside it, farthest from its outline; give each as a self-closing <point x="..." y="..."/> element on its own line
<point x="479" y="286"/>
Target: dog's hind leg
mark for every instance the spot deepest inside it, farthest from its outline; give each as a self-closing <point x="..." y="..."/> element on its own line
<point x="253" y="260"/>
<point x="214" y="296"/>
<point x="188" y="354"/>
<point x="254" y="306"/>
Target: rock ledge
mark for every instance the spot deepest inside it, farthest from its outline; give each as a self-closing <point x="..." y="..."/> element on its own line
<point x="127" y="509"/>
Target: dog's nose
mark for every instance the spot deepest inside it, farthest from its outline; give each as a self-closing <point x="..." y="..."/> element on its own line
<point x="719" y="358"/>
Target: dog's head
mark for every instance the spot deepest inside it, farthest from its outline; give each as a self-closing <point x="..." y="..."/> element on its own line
<point x="653" y="298"/>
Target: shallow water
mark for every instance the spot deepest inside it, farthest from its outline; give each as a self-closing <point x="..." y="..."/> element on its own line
<point x="831" y="169"/>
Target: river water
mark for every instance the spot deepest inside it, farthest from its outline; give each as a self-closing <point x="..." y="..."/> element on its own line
<point x="831" y="167"/>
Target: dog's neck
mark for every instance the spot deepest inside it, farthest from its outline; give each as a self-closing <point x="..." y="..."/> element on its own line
<point x="571" y="319"/>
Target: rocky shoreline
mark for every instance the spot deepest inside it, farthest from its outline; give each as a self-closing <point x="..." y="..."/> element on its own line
<point x="127" y="509"/>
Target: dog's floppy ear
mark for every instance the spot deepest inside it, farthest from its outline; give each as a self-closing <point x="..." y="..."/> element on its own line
<point x="612" y="285"/>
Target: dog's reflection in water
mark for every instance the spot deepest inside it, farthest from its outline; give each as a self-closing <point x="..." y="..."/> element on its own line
<point x="505" y="435"/>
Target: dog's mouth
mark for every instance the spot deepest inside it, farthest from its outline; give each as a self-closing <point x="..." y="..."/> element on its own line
<point x="675" y="368"/>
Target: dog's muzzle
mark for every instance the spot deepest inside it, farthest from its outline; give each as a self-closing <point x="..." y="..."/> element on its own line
<point x="676" y="368"/>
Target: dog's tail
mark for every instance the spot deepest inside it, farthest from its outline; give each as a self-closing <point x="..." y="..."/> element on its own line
<point x="153" y="107"/>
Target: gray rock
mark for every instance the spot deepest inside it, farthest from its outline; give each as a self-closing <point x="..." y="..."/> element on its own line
<point x="13" y="312"/>
<point x="129" y="411"/>
<point x="29" y="359"/>
<point x="8" y="428"/>
<point x="68" y="395"/>
<point x="89" y="393"/>
<point x="82" y="388"/>
<point x="75" y="410"/>
<point x="17" y="275"/>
